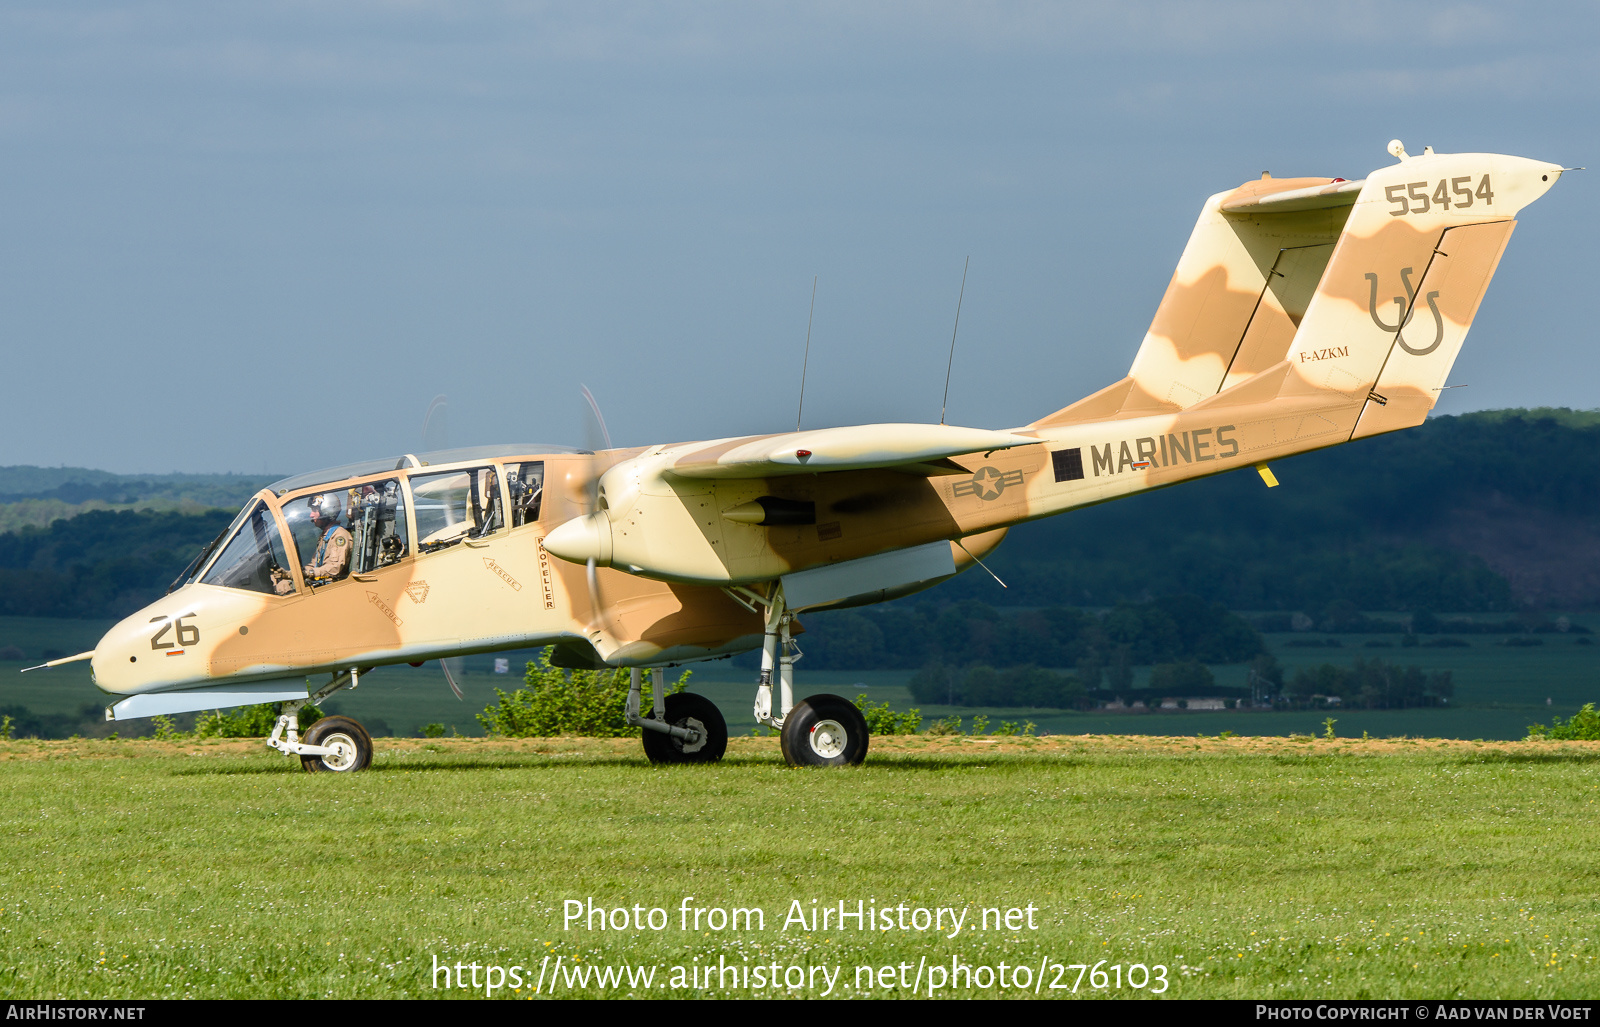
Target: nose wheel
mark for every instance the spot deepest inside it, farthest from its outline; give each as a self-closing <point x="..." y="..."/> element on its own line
<point x="336" y="744"/>
<point x="824" y="731"/>
<point x="349" y="747"/>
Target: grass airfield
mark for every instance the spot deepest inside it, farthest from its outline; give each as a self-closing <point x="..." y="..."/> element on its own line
<point x="1249" y="867"/>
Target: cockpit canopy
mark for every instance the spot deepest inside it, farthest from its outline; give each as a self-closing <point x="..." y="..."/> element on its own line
<point x="317" y="529"/>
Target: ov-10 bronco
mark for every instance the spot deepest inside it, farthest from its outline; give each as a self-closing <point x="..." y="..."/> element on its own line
<point x="1304" y="313"/>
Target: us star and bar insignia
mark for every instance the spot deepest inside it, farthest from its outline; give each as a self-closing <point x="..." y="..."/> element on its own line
<point x="987" y="483"/>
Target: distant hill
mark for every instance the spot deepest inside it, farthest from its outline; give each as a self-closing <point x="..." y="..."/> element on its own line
<point x="37" y="496"/>
<point x="101" y="563"/>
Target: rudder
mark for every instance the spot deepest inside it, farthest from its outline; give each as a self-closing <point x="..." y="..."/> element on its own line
<point x="1405" y="280"/>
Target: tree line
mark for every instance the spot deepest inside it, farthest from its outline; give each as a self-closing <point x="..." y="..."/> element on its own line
<point x="913" y="634"/>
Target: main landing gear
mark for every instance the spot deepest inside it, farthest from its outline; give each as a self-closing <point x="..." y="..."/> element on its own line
<point x="818" y="731"/>
<point x="684" y="728"/>
<point x="337" y="744"/>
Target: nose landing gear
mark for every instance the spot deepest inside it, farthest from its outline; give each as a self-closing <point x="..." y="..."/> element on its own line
<point x="337" y="744"/>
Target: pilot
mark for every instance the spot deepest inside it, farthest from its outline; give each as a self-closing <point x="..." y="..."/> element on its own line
<point x="332" y="559"/>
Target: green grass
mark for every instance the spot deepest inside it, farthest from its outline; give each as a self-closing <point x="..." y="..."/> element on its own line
<point x="1248" y="868"/>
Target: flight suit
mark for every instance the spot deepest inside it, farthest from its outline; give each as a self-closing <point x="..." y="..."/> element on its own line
<point x="332" y="559"/>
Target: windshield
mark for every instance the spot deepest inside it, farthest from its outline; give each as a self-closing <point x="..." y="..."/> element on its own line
<point x="254" y="557"/>
<point x="201" y="557"/>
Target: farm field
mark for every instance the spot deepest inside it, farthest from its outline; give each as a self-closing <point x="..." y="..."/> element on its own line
<point x="1499" y="689"/>
<point x="1245" y="867"/>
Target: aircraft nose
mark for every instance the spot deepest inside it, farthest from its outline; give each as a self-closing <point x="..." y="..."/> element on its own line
<point x="582" y="539"/>
<point x="116" y="665"/>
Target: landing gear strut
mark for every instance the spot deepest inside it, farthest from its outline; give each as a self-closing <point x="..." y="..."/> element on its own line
<point x="337" y="744"/>
<point x="685" y="728"/>
<point x="819" y="731"/>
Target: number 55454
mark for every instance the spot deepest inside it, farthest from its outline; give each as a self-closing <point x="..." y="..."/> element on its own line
<point x="1421" y="197"/>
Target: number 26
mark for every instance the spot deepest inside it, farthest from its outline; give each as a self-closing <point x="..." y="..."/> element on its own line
<point x="187" y="634"/>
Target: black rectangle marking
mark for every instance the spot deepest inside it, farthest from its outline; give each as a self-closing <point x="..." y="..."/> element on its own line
<point x="1068" y="464"/>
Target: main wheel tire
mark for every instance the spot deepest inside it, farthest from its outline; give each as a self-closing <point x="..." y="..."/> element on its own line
<point x="685" y="709"/>
<point x="824" y="731"/>
<point x="350" y="740"/>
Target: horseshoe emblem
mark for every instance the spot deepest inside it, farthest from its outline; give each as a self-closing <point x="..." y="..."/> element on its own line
<point x="1407" y="310"/>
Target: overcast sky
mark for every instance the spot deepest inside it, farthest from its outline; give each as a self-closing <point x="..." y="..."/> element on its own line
<point x="264" y="236"/>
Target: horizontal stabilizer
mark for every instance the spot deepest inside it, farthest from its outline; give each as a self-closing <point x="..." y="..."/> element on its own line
<point x="841" y="449"/>
<point x="1287" y="201"/>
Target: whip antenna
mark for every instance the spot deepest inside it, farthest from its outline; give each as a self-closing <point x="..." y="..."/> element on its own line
<point x="807" y="360"/>
<point x="952" y="362"/>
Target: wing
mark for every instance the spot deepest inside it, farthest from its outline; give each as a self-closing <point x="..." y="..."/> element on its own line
<point x="920" y="448"/>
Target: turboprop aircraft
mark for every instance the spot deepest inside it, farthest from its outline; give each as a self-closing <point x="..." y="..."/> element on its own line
<point x="1304" y="312"/>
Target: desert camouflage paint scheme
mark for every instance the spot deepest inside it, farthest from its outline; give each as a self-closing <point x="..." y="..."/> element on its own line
<point x="1304" y="313"/>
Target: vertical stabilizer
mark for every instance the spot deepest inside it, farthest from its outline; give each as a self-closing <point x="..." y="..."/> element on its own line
<point x="1404" y="282"/>
<point x="1231" y="309"/>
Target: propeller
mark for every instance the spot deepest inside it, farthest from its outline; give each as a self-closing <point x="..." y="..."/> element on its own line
<point x="598" y="440"/>
<point x="435" y="437"/>
<point x="436" y="425"/>
<point x="452" y="666"/>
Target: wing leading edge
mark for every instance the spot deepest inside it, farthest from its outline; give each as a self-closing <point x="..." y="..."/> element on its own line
<point x="911" y="446"/>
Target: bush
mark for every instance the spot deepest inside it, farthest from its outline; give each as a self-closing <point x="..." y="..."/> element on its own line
<point x="1583" y="726"/>
<point x="248" y="721"/>
<point x="881" y="720"/>
<point x="556" y="701"/>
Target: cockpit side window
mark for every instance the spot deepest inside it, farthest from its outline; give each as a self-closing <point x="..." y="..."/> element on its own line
<point x="453" y="506"/>
<point x="525" y="482"/>
<point x="342" y="531"/>
<point x="254" y="558"/>
<point x="377" y="517"/>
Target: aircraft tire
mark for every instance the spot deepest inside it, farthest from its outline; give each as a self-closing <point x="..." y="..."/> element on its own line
<point x="824" y="731"/>
<point x="685" y="709"/>
<point x="340" y="731"/>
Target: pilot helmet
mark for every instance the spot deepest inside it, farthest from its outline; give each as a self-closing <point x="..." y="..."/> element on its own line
<point x="330" y="506"/>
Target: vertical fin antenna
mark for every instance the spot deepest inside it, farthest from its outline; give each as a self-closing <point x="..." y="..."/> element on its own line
<point x="806" y="361"/>
<point x="952" y="362"/>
